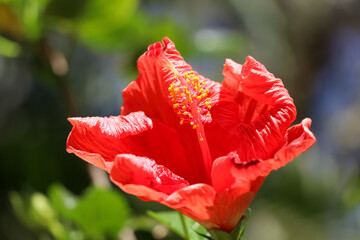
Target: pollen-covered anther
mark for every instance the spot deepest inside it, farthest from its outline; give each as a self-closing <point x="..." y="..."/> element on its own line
<point x="189" y="97"/>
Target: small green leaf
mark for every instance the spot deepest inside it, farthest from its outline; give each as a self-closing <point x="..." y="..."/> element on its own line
<point x="173" y="221"/>
<point x="21" y="209"/>
<point x="9" y="48"/>
<point x="220" y="235"/>
<point x="100" y="22"/>
<point x="31" y="15"/>
<point x="63" y="201"/>
<point x="36" y="212"/>
<point x="101" y="212"/>
<point x="41" y="209"/>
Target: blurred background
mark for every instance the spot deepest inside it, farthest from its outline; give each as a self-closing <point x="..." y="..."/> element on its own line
<point x="61" y="58"/>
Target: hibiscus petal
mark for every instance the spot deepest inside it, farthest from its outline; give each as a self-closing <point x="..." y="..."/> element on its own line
<point x="232" y="71"/>
<point x="193" y="201"/>
<point x="209" y="208"/>
<point x="254" y="108"/>
<point x="140" y="177"/>
<point x="149" y="93"/>
<point x="229" y="207"/>
<point x="97" y="139"/>
<point x="299" y="139"/>
<point x="132" y="170"/>
<point x="229" y="172"/>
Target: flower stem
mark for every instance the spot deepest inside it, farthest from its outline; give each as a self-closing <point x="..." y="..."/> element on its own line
<point x="183" y="223"/>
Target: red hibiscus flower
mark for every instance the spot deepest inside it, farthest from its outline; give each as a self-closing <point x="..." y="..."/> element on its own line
<point x="197" y="146"/>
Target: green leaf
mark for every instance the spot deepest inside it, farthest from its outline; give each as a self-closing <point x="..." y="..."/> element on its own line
<point x="36" y="212"/>
<point x="21" y="209"/>
<point x="63" y="201"/>
<point x="101" y="212"/>
<point x="41" y="209"/>
<point x="9" y="48"/>
<point x="173" y="221"/>
<point x="100" y="22"/>
<point x="31" y="14"/>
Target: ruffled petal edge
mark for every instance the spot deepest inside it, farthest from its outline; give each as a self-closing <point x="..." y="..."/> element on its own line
<point x="94" y="139"/>
<point x="229" y="172"/>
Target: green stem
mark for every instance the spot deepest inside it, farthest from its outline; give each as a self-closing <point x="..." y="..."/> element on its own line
<point x="183" y="223"/>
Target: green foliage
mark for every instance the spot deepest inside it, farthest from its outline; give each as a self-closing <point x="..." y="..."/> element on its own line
<point x="189" y="229"/>
<point x="99" y="25"/>
<point x="62" y="200"/>
<point x="9" y="22"/>
<point x="36" y="212"/>
<point x="183" y="226"/>
<point x="30" y="16"/>
<point x="97" y="214"/>
<point x="100" y="211"/>
<point x="9" y="48"/>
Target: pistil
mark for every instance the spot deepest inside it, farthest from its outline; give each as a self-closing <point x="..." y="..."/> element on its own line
<point x="189" y="98"/>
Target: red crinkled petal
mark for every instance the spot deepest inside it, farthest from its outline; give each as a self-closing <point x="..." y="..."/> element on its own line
<point x="196" y="201"/>
<point x="211" y="209"/>
<point x="151" y="182"/>
<point x="149" y="93"/>
<point x="229" y="207"/>
<point x="98" y="140"/>
<point x="254" y="109"/>
<point x="145" y="179"/>
<point x="229" y="172"/>
<point x="231" y="72"/>
<point x="129" y="169"/>
<point x="299" y="138"/>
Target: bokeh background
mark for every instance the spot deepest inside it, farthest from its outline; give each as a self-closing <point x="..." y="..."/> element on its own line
<point x="61" y="58"/>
